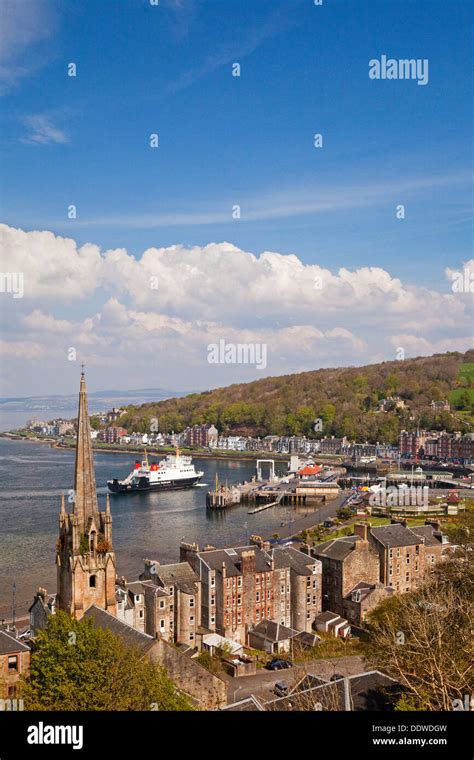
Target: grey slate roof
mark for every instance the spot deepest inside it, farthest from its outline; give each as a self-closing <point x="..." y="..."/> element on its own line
<point x="179" y="574"/>
<point x="365" y="691"/>
<point x="429" y="534"/>
<point x="395" y="535"/>
<point x="273" y="631"/>
<point x="325" y="617"/>
<point x="337" y="548"/>
<point x="231" y="558"/>
<point x="287" y="556"/>
<point x="10" y="645"/>
<point x="130" y="636"/>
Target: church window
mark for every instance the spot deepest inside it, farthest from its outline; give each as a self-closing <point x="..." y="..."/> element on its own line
<point x="92" y="581"/>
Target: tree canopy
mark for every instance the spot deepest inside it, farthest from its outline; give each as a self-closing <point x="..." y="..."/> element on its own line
<point x="345" y="400"/>
<point x="76" y="666"/>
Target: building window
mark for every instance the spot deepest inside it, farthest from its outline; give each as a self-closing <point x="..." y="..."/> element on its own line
<point x="213" y="619"/>
<point x="239" y="600"/>
<point x="390" y="553"/>
<point x="171" y="590"/>
<point x="92" y="581"/>
<point x="239" y="581"/>
<point x="227" y="582"/>
<point x="191" y="620"/>
<point x="407" y="577"/>
<point x="191" y="636"/>
<point x="239" y="617"/>
<point x="140" y="613"/>
<point x="282" y="590"/>
<point x="13" y="662"/>
<point x="137" y="597"/>
<point x="315" y="583"/>
<point x="191" y="602"/>
<point x="257" y="580"/>
<point x="213" y="581"/>
<point x="162" y="604"/>
<point x="257" y="596"/>
<point x="162" y="625"/>
<point x="213" y="600"/>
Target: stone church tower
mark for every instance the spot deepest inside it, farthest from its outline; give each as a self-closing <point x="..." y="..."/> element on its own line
<point x="84" y="552"/>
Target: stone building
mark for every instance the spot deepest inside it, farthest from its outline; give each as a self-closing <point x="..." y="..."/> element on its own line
<point x="84" y="553"/>
<point x="14" y="662"/>
<point x="130" y="604"/>
<point x="363" y="598"/>
<point x="172" y="601"/>
<point x="304" y="601"/>
<point x="345" y="563"/>
<point x="245" y="585"/>
<point x="43" y="606"/>
<point x="401" y="554"/>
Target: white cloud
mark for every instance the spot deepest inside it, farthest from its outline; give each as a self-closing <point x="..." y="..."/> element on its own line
<point x="42" y="130"/>
<point x="20" y="349"/>
<point x="103" y="303"/>
<point x="24" y="25"/>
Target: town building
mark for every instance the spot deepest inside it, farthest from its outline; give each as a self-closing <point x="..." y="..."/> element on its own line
<point x="112" y="434"/>
<point x="345" y="563"/>
<point x="333" y="445"/>
<point x="14" y="663"/>
<point x="243" y="586"/>
<point x="172" y="601"/>
<point x="402" y="554"/>
<point x="362" y="599"/>
<point x="43" y="606"/>
<point x="200" y="436"/>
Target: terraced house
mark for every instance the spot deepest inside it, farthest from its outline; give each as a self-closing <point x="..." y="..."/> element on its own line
<point x="245" y="585"/>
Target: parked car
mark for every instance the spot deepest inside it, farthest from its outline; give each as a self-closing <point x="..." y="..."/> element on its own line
<point x="280" y="689"/>
<point x="279" y="665"/>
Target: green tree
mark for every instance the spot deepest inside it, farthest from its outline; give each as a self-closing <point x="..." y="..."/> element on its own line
<point x="423" y="638"/>
<point x="76" y="666"/>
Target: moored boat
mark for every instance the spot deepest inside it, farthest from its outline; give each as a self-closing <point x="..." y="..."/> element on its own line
<point x="171" y="473"/>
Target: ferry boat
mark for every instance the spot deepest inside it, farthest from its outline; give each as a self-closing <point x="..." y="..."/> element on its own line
<point x="173" y="472"/>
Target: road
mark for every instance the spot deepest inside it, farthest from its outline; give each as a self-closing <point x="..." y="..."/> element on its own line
<point x="314" y="516"/>
<point x="262" y="684"/>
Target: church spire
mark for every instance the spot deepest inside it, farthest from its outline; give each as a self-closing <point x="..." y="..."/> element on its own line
<point x="85" y="495"/>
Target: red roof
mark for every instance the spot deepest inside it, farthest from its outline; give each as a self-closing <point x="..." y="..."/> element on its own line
<point x="310" y="469"/>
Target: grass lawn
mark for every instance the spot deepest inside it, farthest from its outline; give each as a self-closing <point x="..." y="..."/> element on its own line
<point x="375" y="522"/>
<point x="330" y="647"/>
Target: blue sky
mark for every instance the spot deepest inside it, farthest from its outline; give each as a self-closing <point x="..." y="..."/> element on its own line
<point x="225" y="140"/>
<point x="248" y="140"/>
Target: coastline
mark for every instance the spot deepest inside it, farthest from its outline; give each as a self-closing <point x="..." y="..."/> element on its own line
<point x="248" y="456"/>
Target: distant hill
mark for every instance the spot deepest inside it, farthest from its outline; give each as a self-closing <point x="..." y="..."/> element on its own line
<point x="98" y="401"/>
<point x="345" y="399"/>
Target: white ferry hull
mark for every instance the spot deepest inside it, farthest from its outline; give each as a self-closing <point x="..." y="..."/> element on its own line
<point x="143" y="484"/>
